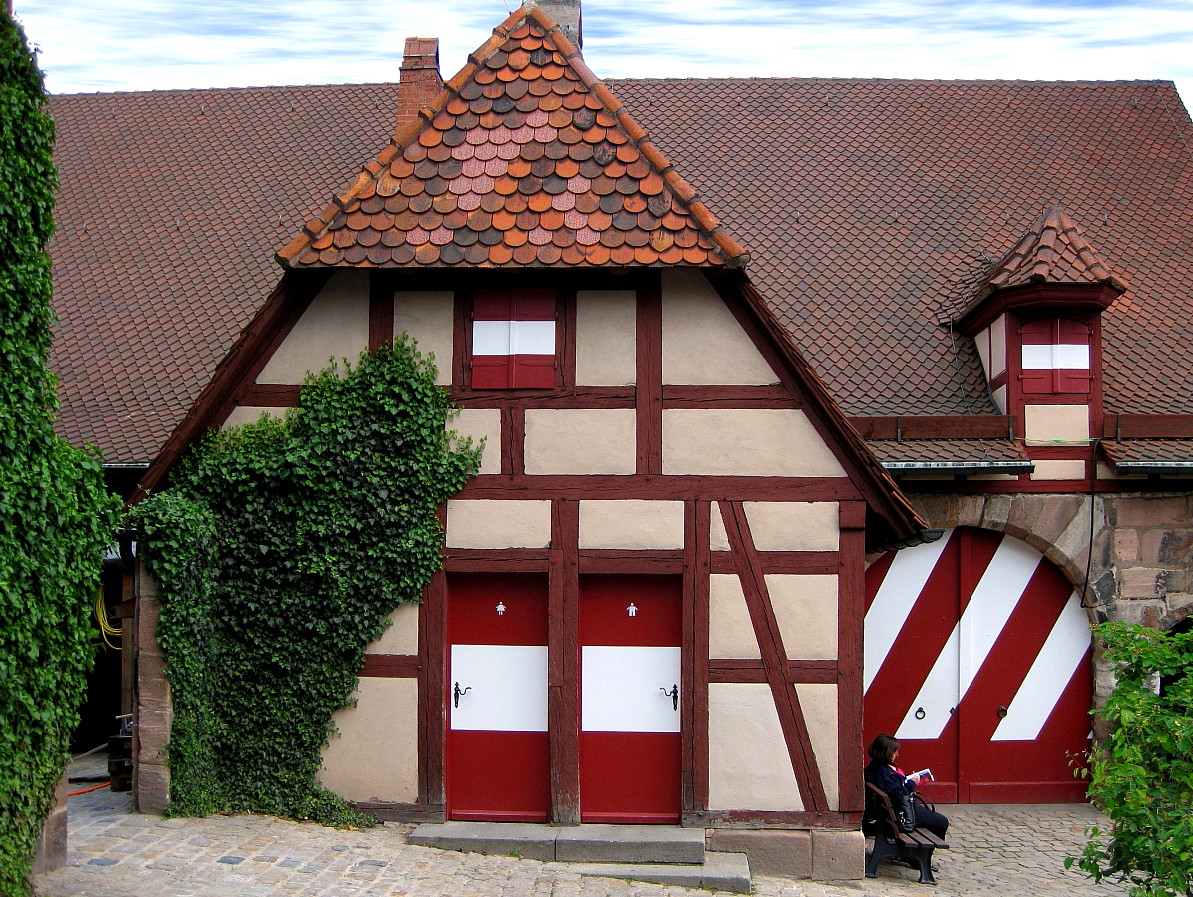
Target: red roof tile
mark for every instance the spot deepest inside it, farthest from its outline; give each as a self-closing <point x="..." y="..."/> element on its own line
<point x="1149" y="452"/>
<point x="524" y="159"/>
<point x="871" y="209"/>
<point x="935" y="451"/>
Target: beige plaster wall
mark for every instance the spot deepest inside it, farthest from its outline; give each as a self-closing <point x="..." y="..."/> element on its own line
<point x="428" y="316"/>
<point x="998" y="346"/>
<point x="1000" y="399"/>
<point x="730" y="631"/>
<point x="806" y="609"/>
<point x="1058" y="470"/>
<point x="819" y="704"/>
<point x="981" y="342"/>
<point x="250" y="414"/>
<point x="402" y="635"/>
<point x="581" y="441"/>
<point x="1053" y="423"/>
<point x="473" y="523"/>
<point x="718" y="539"/>
<point x="748" y="764"/>
<point x="631" y="523"/>
<point x="335" y="326"/>
<point x="794" y="525"/>
<point x="702" y="341"/>
<point x="745" y="442"/>
<point x="481" y="423"/>
<point x="606" y="337"/>
<point x="374" y="756"/>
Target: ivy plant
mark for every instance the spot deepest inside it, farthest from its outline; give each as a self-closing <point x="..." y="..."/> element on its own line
<point x="55" y="516"/>
<point x="280" y="549"/>
<point x="1143" y="774"/>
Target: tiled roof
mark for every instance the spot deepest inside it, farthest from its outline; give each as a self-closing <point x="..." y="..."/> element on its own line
<point x="1157" y="452"/>
<point x="871" y="210"/>
<point x="1054" y="250"/>
<point x="525" y="159"/>
<point x="935" y="451"/>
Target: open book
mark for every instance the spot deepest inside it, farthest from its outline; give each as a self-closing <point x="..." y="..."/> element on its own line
<point x="923" y="774"/>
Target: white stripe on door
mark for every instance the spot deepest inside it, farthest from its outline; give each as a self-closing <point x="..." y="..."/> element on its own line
<point x="900" y="589"/>
<point x="622" y="688"/>
<point x="506" y="688"/>
<point x="994" y="599"/>
<point x="1050" y="672"/>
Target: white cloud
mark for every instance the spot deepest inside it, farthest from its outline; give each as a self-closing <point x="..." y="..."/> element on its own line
<point x="151" y="44"/>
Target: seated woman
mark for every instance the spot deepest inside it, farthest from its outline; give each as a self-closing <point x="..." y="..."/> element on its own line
<point x="882" y="773"/>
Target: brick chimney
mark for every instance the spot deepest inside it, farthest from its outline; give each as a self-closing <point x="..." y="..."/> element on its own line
<point x="567" y="14"/>
<point x="420" y="79"/>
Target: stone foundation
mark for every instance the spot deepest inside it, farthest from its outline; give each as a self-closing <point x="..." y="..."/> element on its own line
<point x="51" y="846"/>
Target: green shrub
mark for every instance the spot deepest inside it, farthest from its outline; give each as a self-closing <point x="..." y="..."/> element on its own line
<point x="280" y="549"/>
<point x="1143" y="775"/>
<point x="55" y="517"/>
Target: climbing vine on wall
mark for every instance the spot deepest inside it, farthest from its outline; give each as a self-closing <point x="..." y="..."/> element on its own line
<point x="55" y="517"/>
<point x="280" y="549"/>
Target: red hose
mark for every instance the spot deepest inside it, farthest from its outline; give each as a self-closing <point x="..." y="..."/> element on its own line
<point x="87" y="790"/>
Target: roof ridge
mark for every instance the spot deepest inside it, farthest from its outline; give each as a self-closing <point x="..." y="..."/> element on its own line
<point x="630" y="206"/>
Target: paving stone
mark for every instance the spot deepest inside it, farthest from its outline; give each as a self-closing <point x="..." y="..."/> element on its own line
<point x="995" y="850"/>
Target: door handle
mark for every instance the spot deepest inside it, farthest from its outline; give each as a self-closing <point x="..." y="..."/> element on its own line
<point x="457" y="692"/>
<point x="673" y="695"/>
<point x="1001" y="712"/>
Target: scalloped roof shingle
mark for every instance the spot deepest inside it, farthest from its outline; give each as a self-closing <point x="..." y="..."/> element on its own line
<point x="524" y="159"/>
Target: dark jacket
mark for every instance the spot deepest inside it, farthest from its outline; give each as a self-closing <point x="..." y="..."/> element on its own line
<point x="882" y="776"/>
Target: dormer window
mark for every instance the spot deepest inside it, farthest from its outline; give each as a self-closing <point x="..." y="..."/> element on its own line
<point x="514" y="339"/>
<point x="1055" y="356"/>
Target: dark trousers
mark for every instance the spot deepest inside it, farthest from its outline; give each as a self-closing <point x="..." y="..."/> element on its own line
<point x="936" y="823"/>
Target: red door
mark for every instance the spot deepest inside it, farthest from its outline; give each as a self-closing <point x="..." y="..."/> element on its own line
<point x="630" y="635"/>
<point x="977" y="659"/>
<point x="497" y="757"/>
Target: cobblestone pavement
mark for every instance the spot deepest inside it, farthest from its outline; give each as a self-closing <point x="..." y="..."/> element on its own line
<point x="115" y="853"/>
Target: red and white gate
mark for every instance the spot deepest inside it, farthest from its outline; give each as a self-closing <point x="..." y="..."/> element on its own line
<point x="977" y="658"/>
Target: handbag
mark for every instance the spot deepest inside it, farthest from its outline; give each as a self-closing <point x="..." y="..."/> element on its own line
<point x="904" y="807"/>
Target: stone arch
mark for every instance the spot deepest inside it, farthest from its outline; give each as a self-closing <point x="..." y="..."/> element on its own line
<point x="1174" y="618"/>
<point x="1057" y="526"/>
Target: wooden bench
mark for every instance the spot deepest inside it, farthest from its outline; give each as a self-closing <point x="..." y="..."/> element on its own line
<point x="889" y="842"/>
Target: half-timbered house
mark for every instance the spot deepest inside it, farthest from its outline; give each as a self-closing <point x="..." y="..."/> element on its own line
<point x="799" y="396"/>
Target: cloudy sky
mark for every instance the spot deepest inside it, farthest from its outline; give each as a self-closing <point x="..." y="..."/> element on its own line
<point x="101" y="45"/>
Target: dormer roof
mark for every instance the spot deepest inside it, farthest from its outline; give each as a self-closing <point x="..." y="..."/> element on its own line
<point x="1053" y="252"/>
<point x="525" y="158"/>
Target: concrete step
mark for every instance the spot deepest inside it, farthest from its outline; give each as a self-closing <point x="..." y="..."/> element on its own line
<point x="574" y="844"/>
<point x="719" y="872"/>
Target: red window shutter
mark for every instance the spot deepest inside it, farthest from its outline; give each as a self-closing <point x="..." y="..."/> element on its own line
<point x="1074" y="379"/>
<point x="520" y="355"/>
<point x="492" y="368"/>
<point x="1036" y="333"/>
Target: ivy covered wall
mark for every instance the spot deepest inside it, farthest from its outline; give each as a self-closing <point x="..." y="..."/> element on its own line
<point x="280" y="548"/>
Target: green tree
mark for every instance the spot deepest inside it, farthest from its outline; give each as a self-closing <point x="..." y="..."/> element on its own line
<point x="55" y="517"/>
<point x="1143" y="774"/>
<point x="280" y="548"/>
